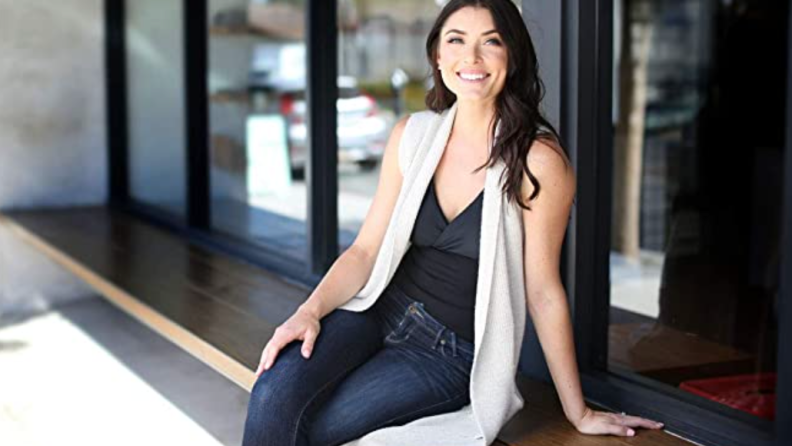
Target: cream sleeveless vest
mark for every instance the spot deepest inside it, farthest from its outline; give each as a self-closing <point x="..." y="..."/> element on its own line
<point x="500" y="310"/>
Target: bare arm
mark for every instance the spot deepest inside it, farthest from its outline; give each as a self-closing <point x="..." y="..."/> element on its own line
<point x="545" y="227"/>
<point x="351" y="270"/>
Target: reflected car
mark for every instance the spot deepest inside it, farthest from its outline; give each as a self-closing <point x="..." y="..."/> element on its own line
<point x="278" y="68"/>
<point x="362" y="130"/>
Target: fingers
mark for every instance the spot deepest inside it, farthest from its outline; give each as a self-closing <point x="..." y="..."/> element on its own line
<point x="278" y="341"/>
<point x="260" y="365"/>
<point x="633" y="421"/>
<point x="622" y="431"/>
<point x="617" y="425"/>
<point x="599" y="422"/>
<point x="308" y="343"/>
<point x="641" y="422"/>
<point x="273" y="347"/>
<point x="268" y="355"/>
<point x="264" y="359"/>
<point x="624" y="423"/>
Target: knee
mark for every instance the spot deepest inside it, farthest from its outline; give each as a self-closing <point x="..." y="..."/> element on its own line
<point x="260" y="408"/>
<point x="274" y="410"/>
<point x="260" y="395"/>
<point x="274" y="399"/>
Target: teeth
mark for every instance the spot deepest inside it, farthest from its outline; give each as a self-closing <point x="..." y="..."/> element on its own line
<point x="471" y="77"/>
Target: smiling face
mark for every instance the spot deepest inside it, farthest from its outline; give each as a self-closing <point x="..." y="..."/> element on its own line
<point x="471" y="55"/>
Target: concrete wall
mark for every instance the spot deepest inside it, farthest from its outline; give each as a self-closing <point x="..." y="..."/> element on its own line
<point x="52" y="132"/>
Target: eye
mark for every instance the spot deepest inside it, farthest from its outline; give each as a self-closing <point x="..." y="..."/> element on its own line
<point x="455" y="40"/>
<point x="495" y="42"/>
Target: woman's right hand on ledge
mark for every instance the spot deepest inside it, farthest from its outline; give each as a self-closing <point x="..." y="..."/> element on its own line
<point x="302" y="325"/>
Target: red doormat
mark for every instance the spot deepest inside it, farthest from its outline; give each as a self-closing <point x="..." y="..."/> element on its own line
<point x="754" y="393"/>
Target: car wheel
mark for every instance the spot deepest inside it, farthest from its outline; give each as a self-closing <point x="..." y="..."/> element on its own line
<point x="368" y="165"/>
<point x="298" y="173"/>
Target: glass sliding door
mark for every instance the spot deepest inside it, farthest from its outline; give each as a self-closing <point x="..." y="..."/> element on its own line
<point x="382" y="77"/>
<point x="699" y="98"/>
<point x="257" y="126"/>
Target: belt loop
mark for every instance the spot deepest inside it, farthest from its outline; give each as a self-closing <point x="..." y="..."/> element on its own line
<point x="437" y="338"/>
<point x="418" y="304"/>
<point x="454" y="343"/>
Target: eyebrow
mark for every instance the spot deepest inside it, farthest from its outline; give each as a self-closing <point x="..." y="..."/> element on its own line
<point x="492" y="31"/>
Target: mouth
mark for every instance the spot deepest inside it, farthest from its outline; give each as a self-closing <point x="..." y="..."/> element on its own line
<point x="472" y="77"/>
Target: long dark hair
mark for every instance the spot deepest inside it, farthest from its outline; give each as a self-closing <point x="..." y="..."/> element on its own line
<point x="517" y="105"/>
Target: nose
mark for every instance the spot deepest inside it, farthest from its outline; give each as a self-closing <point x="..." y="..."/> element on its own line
<point x="472" y="54"/>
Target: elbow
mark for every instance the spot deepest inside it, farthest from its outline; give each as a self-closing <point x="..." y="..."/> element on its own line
<point x="536" y="301"/>
<point x="545" y="297"/>
<point x="360" y="254"/>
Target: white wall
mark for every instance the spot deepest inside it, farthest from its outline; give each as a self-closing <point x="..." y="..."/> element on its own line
<point x="52" y="132"/>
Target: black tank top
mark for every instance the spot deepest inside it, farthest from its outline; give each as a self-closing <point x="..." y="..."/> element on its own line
<point x="441" y="267"/>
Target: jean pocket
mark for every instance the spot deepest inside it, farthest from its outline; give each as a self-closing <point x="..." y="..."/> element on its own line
<point x="402" y="332"/>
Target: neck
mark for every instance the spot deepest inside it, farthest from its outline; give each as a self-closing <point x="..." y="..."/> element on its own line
<point x="473" y="121"/>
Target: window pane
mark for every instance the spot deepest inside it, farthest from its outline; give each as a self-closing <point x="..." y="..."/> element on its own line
<point x="155" y="79"/>
<point x="699" y="92"/>
<point x="257" y="112"/>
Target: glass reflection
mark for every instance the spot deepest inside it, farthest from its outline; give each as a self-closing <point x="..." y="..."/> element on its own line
<point x="257" y="59"/>
<point x="699" y="92"/>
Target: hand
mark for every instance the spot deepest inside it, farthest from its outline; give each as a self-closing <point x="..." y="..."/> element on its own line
<point x="302" y="325"/>
<point x="602" y="423"/>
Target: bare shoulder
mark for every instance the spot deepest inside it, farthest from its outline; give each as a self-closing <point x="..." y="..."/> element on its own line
<point x="553" y="170"/>
<point x="395" y="136"/>
<point x="372" y="232"/>
<point x="546" y="222"/>
<point x="401" y="123"/>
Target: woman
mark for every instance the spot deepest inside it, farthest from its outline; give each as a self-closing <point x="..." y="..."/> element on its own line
<point x="420" y="345"/>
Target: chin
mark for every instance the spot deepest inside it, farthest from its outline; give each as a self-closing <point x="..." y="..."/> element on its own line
<point x="469" y="94"/>
<point x="462" y="95"/>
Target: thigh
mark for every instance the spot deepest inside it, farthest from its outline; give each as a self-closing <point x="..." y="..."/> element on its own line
<point x="401" y="383"/>
<point x="281" y="394"/>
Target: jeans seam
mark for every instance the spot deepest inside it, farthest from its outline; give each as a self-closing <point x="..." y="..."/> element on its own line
<point x="398" y="341"/>
<point x="384" y="423"/>
<point x="310" y="400"/>
<point x="405" y="318"/>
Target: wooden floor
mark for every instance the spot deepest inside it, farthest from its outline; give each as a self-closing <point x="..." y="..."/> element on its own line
<point x="223" y="310"/>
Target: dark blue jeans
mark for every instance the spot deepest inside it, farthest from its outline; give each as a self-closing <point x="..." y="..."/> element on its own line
<point x="385" y="366"/>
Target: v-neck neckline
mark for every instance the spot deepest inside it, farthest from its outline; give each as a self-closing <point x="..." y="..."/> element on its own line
<point x="440" y="208"/>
